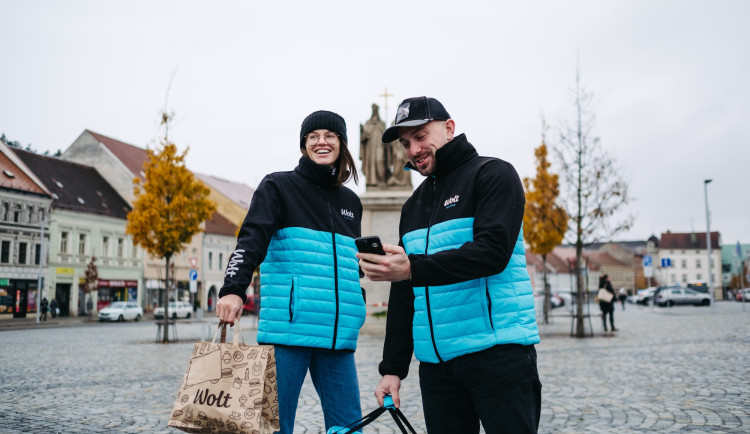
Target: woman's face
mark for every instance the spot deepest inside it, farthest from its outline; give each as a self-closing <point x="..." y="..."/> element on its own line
<point x="323" y="147"/>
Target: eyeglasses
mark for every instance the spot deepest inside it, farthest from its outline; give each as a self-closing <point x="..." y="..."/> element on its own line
<point x="329" y="137"/>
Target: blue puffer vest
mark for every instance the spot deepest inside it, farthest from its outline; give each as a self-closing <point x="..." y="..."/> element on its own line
<point x="462" y="318"/>
<point x="310" y="292"/>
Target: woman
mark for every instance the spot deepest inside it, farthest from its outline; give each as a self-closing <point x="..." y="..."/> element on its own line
<point x="608" y="308"/>
<point x="301" y="225"/>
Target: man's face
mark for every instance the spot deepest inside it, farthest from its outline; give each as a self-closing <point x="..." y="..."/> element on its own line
<point x="421" y="142"/>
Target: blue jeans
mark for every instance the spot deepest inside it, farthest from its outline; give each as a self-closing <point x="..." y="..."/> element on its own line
<point x="499" y="386"/>
<point x="334" y="375"/>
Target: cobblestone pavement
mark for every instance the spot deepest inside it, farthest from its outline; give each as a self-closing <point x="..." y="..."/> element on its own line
<point x="666" y="370"/>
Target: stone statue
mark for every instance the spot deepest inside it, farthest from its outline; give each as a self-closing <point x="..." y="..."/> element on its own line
<point x="372" y="151"/>
<point x="398" y="176"/>
<point x="382" y="163"/>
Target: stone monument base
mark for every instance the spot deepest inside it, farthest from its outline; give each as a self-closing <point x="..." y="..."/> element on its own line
<point x="380" y="216"/>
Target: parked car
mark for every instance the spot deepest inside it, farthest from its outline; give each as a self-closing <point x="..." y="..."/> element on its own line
<point x="252" y="305"/>
<point x="644" y="295"/>
<point x="742" y="293"/>
<point x="121" y="311"/>
<point x="177" y="309"/>
<point x="675" y="295"/>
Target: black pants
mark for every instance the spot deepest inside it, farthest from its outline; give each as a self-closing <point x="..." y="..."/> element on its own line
<point x="499" y="386"/>
<point x="608" y="309"/>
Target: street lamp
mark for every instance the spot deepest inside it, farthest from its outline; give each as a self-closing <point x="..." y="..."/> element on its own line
<point x="708" y="242"/>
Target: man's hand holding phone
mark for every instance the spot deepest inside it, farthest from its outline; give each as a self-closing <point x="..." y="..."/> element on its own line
<point x="387" y="265"/>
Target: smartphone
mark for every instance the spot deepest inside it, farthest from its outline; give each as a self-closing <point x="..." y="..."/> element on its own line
<point x="370" y="245"/>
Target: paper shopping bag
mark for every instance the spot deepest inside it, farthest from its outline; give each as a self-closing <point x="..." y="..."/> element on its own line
<point x="228" y="387"/>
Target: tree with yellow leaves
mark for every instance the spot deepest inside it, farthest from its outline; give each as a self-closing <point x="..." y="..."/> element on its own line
<point x="169" y="207"/>
<point x="544" y="221"/>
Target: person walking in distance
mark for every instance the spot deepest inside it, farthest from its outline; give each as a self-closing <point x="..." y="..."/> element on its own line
<point x="607" y="307"/>
<point x="300" y="228"/>
<point x="461" y="298"/>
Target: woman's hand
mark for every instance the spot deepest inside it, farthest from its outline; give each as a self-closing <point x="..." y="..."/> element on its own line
<point x="229" y="307"/>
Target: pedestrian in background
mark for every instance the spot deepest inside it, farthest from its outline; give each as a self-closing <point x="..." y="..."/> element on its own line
<point x="45" y="308"/>
<point x="53" y="308"/>
<point x="607" y="307"/>
<point x="622" y="297"/>
<point x="301" y="225"/>
<point x="461" y="298"/>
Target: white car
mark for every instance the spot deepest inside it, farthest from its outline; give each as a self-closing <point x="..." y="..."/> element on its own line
<point x="121" y="311"/>
<point x="177" y="309"/>
<point x="673" y="296"/>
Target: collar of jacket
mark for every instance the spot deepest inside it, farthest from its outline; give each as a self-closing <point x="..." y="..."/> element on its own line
<point x="320" y="174"/>
<point x="452" y="155"/>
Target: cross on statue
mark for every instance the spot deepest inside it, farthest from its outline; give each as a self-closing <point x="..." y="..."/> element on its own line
<point x="385" y="96"/>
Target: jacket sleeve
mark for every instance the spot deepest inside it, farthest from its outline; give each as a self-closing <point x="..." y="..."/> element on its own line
<point x="253" y="239"/>
<point x="398" y="346"/>
<point x="498" y="218"/>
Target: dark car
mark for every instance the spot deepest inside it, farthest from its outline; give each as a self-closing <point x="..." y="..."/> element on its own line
<point x="252" y="305"/>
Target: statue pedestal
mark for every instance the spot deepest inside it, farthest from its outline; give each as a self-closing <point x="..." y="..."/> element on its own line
<point x="380" y="216"/>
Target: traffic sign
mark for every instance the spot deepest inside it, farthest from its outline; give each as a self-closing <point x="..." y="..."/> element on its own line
<point x="194" y="262"/>
<point x="647" y="261"/>
<point x="193" y="275"/>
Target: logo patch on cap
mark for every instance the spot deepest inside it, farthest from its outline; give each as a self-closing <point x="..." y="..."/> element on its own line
<point x="403" y="112"/>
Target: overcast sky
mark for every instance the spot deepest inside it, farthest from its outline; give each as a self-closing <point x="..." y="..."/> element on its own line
<point x="669" y="79"/>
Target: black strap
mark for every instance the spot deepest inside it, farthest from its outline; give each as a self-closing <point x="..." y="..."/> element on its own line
<point x="395" y="413"/>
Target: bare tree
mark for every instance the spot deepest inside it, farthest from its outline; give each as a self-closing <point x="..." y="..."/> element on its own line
<point x="594" y="191"/>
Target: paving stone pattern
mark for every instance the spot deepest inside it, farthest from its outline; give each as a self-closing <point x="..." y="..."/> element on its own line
<point x="665" y="370"/>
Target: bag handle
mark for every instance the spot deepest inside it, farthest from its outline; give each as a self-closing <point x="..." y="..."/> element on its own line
<point x="387" y="406"/>
<point x="235" y="334"/>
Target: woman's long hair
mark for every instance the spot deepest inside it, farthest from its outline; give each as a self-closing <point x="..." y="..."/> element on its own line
<point x="345" y="166"/>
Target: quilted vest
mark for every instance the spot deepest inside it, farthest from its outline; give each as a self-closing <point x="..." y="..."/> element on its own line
<point x="310" y="292"/>
<point x="466" y="317"/>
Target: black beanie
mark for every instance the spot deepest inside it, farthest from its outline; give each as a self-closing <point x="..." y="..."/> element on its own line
<point x="322" y="120"/>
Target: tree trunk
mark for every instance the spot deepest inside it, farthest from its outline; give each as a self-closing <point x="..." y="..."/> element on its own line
<point x="165" y="303"/>
<point x="547" y="292"/>
<point x="580" y="293"/>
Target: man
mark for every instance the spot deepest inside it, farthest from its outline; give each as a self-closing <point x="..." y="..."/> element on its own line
<point x="461" y="298"/>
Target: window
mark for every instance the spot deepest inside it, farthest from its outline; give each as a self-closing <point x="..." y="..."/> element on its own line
<point x="22" y="253"/>
<point x="210" y="260"/>
<point x="698" y="264"/>
<point x="120" y="247"/>
<point x="16" y="216"/>
<point x="684" y="264"/>
<point x="5" y="211"/>
<point x="82" y="244"/>
<point x="699" y="276"/>
<point x="684" y="277"/>
<point x="64" y="242"/>
<point x="5" y="252"/>
<point x="673" y="278"/>
<point x="38" y="254"/>
<point x="105" y="246"/>
<point x="221" y="261"/>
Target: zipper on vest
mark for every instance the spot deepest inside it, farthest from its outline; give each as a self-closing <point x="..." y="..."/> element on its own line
<point x="427" y="288"/>
<point x="335" y="274"/>
<point x="489" y="301"/>
<point x="291" y="301"/>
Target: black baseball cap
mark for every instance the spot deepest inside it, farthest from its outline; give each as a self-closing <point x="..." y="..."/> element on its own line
<point x="415" y="111"/>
